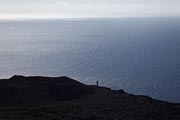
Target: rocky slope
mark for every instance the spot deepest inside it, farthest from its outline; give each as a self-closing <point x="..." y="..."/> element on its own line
<point x="62" y="98"/>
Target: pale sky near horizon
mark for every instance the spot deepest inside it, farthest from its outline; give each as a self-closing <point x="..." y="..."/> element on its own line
<point x="14" y="9"/>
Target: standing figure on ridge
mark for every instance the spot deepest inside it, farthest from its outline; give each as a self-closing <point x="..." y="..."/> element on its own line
<point x="97" y="84"/>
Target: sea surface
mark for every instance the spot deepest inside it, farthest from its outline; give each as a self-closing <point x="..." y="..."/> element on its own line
<point x="139" y="55"/>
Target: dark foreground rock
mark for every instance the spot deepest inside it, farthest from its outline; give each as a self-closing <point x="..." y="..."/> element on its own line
<point x="62" y="98"/>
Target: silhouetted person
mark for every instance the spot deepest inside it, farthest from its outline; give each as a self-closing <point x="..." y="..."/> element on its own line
<point x="97" y="84"/>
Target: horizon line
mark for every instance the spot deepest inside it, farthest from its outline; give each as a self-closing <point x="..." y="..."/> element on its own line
<point x="77" y="18"/>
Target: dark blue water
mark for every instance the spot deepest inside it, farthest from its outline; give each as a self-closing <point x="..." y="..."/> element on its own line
<point x="141" y="56"/>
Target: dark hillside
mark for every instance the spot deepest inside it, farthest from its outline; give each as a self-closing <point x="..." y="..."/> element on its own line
<point x="20" y="90"/>
<point x="62" y="98"/>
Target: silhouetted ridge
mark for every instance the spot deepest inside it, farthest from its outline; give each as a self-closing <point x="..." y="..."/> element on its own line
<point x="34" y="90"/>
<point x="62" y="98"/>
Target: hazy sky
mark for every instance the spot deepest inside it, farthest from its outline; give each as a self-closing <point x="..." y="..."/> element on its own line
<point x="87" y="8"/>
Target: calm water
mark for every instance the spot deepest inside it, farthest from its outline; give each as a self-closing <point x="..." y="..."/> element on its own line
<point x="141" y="56"/>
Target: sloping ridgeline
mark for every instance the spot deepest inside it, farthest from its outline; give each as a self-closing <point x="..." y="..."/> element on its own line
<point x="20" y="90"/>
<point x="62" y="98"/>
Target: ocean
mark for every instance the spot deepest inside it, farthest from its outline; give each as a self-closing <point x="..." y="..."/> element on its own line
<point x="139" y="55"/>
